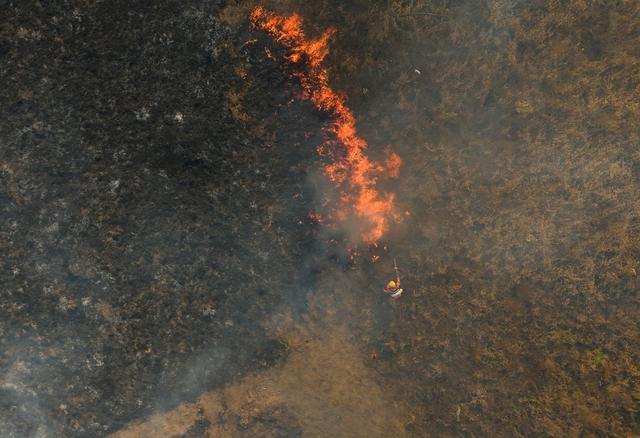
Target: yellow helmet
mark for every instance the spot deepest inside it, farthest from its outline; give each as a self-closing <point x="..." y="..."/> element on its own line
<point x="391" y="285"/>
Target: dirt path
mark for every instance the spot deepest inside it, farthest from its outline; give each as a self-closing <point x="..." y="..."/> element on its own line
<point x="324" y="388"/>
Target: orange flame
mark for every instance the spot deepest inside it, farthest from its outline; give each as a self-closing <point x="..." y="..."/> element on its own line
<point x="351" y="170"/>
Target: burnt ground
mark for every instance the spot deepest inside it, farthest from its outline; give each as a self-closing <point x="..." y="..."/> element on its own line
<point x="154" y="170"/>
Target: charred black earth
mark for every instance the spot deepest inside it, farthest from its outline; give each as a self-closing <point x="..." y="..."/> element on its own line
<point x="159" y="274"/>
<point x="145" y="230"/>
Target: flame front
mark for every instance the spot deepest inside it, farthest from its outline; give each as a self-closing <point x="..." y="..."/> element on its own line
<point x="353" y="173"/>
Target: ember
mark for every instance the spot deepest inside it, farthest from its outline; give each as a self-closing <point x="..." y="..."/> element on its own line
<point x="352" y="172"/>
<point x="315" y="217"/>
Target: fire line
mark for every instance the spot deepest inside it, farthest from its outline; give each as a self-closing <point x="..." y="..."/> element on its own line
<point x="349" y="169"/>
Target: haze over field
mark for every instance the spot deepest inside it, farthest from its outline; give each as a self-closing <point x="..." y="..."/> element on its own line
<point x="200" y="212"/>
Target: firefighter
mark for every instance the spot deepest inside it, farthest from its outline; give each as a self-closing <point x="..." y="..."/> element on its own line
<point x="393" y="286"/>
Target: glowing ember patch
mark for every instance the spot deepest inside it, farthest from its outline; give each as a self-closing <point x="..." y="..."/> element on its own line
<point x="315" y="217"/>
<point x="353" y="173"/>
<point x="393" y="163"/>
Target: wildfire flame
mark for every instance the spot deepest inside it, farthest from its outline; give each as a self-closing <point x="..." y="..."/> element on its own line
<point x="353" y="173"/>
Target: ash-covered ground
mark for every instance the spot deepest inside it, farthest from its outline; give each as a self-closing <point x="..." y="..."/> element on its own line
<point x="159" y="274"/>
